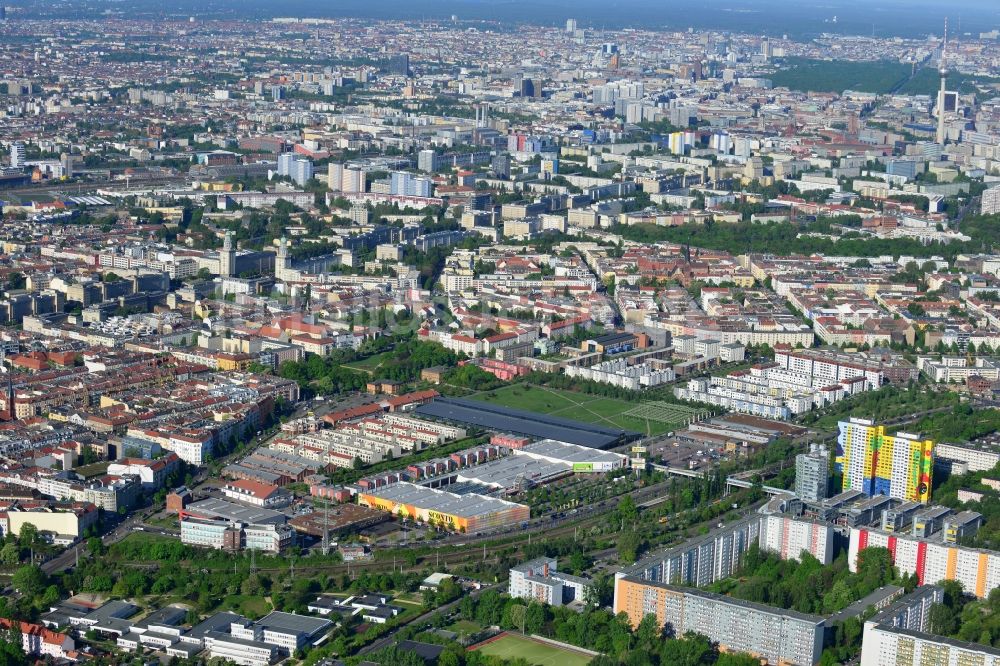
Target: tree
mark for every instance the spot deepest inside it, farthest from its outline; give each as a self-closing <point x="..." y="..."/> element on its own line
<point x="28" y="536"/>
<point x="11" y="649"/>
<point x="647" y="634"/>
<point x="515" y="616"/>
<point x="628" y="546"/>
<point x="15" y="280"/>
<point x="690" y="650"/>
<point x="943" y="620"/>
<point x="10" y="554"/>
<point x="627" y="510"/>
<point x="95" y="546"/>
<point x="534" y="617"/>
<point x="28" y="580"/>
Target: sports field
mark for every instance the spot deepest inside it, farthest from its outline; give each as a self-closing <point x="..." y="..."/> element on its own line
<point x="666" y="412"/>
<point x="513" y="646"/>
<point x="658" y="418"/>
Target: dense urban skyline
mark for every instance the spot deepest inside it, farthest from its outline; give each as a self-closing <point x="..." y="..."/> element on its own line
<point x="492" y="334"/>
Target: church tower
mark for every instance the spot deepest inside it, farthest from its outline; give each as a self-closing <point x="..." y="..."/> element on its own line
<point x="227" y="258"/>
<point x="281" y="262"/>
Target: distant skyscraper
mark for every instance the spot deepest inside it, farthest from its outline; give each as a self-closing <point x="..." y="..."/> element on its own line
<point x="3" y="12"/>
<point x="571" y="25"/>
<point x="877" y="463"/>
<point x="399" y="65"/>
<point x="277" y="93"/>
<point x="942" y="93"/>
<point x="529" y="87"/>
<point x="812" y="471"/>
<point x="765" y="48"/>
<point x="17" y="156"/>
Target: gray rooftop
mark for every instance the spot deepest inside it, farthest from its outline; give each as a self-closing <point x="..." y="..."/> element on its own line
<point x="294" y="624"/>
<point x="237" y="513"/>
<point x="569" y="453"/>
<point x="219" y="622"/>
<point x="504" y="472"/>
<point x="113" y="610"/>
<point x="861" y="605"/>
<point x="168" y="616"/>
<point x="954" y="642"/>
<point x="465" y="506"/>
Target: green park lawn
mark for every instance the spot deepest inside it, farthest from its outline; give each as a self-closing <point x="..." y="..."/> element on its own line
<point x="369" y="364"/>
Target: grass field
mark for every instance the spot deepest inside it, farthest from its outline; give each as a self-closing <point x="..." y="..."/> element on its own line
<point x="369" y="364"/>
<point x="464" y="628"/>
<point x="251" y="606"/>
<point x="595" y="409"/>
<point x="512" y="646"/>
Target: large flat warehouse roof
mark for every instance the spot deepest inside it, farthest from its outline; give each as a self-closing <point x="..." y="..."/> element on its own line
<point x="521" y="422"/>
<point x="463" y="506"/>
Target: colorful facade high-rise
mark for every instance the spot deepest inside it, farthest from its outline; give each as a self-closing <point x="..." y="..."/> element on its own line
<point x="877" y="463"/>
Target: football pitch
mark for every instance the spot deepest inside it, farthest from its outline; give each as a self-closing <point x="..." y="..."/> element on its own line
<point x="512" y="646"/>
<point x="648" y="418"/>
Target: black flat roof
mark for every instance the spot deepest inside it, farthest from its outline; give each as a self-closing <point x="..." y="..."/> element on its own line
<point x="521" y="422"/>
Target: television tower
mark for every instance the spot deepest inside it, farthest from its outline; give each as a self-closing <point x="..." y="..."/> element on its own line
<point x="943" y="70"/>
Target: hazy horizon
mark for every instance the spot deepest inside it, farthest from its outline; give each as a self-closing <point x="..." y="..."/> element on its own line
<point x="909" y="18"/>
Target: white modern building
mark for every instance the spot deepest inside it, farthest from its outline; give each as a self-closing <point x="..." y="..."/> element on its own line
<point x="539" y="580"/>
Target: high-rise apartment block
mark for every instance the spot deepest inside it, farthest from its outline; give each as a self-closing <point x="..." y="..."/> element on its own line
<point x="990" y="201"/>
<point x="702" y="560"/>
<point x="343" y="178"/>
<point x="812" y="473"/>
<point x="789" y="537"/>
<point x="296" y="167"/>
<point x="777" y="635"/>
<point x="933" y="560"/>
<point x="407" y="184"/>
<point x="17" y="156"/>
<point x="899" y="636"/>
<point x="877" y="463"/>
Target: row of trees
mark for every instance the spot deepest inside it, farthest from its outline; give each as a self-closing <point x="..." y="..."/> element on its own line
<point x="785" y="238"/>
<point x="807" y="585"/>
